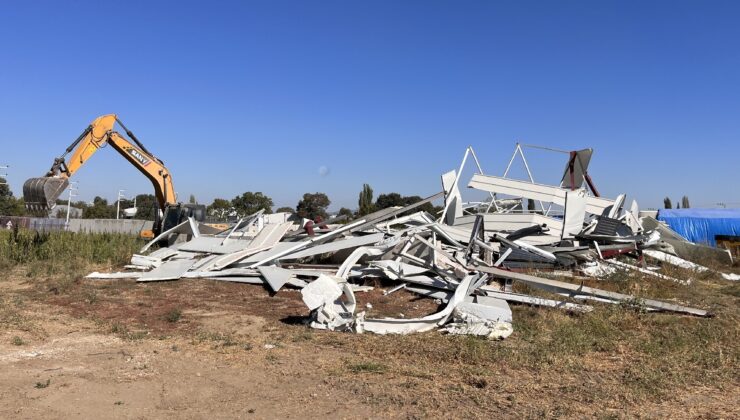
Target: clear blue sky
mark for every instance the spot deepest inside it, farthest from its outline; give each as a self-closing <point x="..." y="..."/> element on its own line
<point x="257" y="96"/>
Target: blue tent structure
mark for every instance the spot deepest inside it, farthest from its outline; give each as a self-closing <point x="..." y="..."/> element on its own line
<point x="702" y="225"/>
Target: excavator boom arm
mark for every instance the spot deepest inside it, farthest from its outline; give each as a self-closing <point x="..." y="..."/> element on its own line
<point x="91" y="140"/>
<point x="148" y="165"/>
<point x="40" y="194"/>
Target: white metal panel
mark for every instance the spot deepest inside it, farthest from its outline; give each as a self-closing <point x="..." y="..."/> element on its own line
<point x="575" y="212"/>
<point x="518" y="188"/>
<point x="509" y="222"/>
<point x="212" y="245"/>
<point x="267" y="239"/>
<point x="547" y="193"/>
<point x="170" y="270"/>
<point x="351" y="242"/>
<point x="453" y="198"/>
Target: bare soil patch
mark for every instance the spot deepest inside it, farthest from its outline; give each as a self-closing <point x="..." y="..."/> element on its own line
<point x="197" y="348"/>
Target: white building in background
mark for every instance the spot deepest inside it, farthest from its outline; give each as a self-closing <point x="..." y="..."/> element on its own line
<point x="130" y="212"/>
<point x="61" y="209"/>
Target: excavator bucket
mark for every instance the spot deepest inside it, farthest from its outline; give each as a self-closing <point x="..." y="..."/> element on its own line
<point x="40" y="194"/>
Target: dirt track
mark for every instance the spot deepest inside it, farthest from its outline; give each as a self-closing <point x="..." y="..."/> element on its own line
<point x="215" y="361"/>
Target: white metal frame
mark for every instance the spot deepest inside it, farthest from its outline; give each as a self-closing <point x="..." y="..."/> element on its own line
<point x="71" y="189"/>
<point x="118" y="202"/>
<point x="468" y="151"/>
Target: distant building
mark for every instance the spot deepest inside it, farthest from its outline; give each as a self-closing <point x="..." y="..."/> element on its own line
<point x="60" y="211"/>
<point x="275" y="218"/>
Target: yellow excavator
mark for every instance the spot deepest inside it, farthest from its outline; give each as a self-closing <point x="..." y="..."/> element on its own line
<point x="40" y="194"/>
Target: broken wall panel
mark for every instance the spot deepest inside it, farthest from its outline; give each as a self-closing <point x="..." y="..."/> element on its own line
<point x="342" y="244"/>
<point x="170" y="270"/>
<point x="453" y="198"/>
<point x="574" y="213"/>
<point x="414" y="325"/>
<point x="576" y="169"/>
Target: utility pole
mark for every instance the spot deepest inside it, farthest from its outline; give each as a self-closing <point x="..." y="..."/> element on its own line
<point x="71" y="191"/>
<point x="5" y="182"/>
<point x="118" y="202"/>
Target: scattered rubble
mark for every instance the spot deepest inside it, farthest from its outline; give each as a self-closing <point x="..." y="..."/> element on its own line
<point x="467" y="258"/>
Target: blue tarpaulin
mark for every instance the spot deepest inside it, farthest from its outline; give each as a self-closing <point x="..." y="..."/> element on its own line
<point x="702" y="225"/>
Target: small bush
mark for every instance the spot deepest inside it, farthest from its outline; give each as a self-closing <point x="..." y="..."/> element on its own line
<point x="174" y="315"/>
<point x="118" y="328"/>
<point x="477" y="382"/>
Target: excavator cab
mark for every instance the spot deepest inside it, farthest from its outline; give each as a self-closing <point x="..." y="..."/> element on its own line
<point x="178" y="213"/>
<point x="174" y="215"/>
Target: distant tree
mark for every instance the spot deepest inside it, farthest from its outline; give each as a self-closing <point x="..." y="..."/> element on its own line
<point x="9" y="205"/>
<point x="413" y="199"/>
<point x="667" y="203"/>
<point x="285" y="210"/>
<point x="366" y="200"/>
<point x="147" y="206"/>
<point x="344" y="211"/>
<point x="99" y="210"/>
<point x="192" y="199"/>
<point x="219" y="209"/>
<point x="5" y="188"/>
<point x="685" y="202"/>
<point x="251" y="202"/>
<point x="397" y="200"/>
<point x="389" y="200"/>
<point x="313" y="205"/>
<point x="17" y="207"/>
<point x="79" y="204"/>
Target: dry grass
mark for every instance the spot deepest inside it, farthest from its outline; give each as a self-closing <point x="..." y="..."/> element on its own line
<point x="612" y="362"/>
<point x="63" y="252"/>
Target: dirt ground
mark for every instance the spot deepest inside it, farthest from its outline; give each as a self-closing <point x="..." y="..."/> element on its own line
<point x="77" y="348"/>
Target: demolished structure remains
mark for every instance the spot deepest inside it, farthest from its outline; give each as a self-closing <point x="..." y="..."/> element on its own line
<point x="467" y="258"/>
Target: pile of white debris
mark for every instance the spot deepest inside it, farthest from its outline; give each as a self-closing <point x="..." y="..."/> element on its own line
<point x="467" y="258"/>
